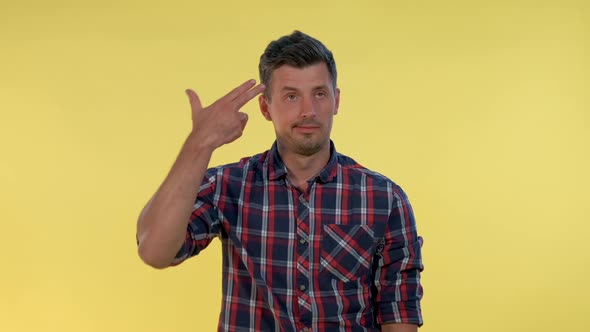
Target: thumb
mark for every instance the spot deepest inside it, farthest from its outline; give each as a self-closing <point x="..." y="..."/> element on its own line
<point x="194" y="100"/>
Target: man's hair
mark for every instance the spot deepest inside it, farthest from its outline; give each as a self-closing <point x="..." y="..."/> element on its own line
<point x="298" y="50"/>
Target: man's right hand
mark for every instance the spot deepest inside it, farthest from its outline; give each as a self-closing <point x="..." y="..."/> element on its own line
<point x="221" y="122"/>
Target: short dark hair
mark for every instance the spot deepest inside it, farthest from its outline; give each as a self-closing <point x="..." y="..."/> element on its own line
<point x="298" y="50"/>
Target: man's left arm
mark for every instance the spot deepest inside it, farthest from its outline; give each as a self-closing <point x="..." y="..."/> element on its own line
<point x="399" y="328"/>
<point x="398" y="290"/>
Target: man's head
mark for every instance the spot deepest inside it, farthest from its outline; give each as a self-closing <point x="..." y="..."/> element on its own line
<point x="301" y="96"/>
<point x="296" y="50"/>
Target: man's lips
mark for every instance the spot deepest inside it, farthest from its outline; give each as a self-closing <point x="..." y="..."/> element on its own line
<point x="307" y="129"/>
<point x="307" y="125"/>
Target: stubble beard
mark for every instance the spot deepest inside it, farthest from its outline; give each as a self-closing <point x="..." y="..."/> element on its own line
<point x="307" y="145"/>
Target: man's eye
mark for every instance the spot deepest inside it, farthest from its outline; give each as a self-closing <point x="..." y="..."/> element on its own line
<point x="320" y="94"/>
<point x="291" y="97"/>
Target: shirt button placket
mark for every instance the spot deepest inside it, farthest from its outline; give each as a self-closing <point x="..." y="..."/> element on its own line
<point x="303" y="250"/>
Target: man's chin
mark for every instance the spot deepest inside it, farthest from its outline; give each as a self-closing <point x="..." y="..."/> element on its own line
<point x="308" y="148"/>
<point x="308" y="145"/>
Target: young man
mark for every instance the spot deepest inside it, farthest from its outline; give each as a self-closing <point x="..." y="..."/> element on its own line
<point x="312" y="241"/>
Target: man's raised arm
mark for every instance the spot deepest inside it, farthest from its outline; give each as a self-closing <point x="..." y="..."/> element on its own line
<point x="162" y="224"/>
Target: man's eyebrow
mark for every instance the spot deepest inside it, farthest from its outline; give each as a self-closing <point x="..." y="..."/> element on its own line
<point x="290" y="88"/>
<point x="321" y="87"/>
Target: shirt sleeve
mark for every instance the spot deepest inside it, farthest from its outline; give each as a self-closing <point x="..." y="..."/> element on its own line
<point x="397" y="276"/>
<point x="205" y="220"/>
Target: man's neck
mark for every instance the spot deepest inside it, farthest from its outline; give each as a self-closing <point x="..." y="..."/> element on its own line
<point x="302" y="168"/>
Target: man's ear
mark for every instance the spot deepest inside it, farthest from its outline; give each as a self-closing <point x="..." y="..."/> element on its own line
<point x="337" y="97"/>
<point x="263" y="102"/>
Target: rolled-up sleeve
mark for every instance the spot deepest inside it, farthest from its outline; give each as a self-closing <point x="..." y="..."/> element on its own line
<point x="205" y="220"/>
<point x="399" y="263"/>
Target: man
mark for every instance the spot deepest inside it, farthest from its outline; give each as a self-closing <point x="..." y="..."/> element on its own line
<point x="312" y="241"/>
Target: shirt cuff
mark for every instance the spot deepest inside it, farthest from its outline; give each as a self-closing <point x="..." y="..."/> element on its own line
<point x="400" y="312"/>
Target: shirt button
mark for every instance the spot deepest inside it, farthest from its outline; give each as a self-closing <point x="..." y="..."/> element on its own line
<point x="302" y="240"/>
<point x="302" y="287"/>
<point x="305" y="329"/>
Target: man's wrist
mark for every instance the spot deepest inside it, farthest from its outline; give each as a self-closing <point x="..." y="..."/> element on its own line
<point x="199" y="143"/>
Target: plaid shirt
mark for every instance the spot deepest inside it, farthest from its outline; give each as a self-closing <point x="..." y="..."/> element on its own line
<point x="343" y="256"/>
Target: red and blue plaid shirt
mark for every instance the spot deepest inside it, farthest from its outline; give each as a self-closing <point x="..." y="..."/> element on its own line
<point x="343" y="256"/>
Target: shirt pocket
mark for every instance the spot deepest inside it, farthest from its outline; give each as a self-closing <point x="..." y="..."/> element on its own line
<point x="346" y="251"/>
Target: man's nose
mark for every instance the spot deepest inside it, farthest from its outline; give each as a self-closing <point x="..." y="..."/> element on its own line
<point x="308" y="108"/>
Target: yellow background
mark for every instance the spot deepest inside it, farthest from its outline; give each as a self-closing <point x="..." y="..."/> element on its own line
<point x="478" y="109"/>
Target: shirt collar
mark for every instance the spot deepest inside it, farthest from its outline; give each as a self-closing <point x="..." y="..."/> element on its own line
<point x="277" y="168"/>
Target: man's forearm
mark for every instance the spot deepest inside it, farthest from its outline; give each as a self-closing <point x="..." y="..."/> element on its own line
<point x="161" y="226"/>
<point x="399" y="328"/>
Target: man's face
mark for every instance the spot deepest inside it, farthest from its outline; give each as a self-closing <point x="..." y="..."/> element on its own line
<point x="302" y="106"/>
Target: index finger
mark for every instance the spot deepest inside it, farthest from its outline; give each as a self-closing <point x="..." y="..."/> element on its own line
<point x="243" y="98"/>
<point x="239" y="90"/>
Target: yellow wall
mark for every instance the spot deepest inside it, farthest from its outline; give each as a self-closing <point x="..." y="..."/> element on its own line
<point x="479" y="109"/>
